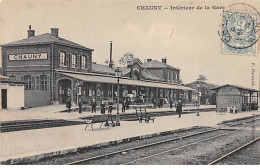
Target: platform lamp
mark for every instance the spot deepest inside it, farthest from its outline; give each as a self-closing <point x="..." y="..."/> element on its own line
<point x="199" y="94"/>
<point x="118" y="75"/>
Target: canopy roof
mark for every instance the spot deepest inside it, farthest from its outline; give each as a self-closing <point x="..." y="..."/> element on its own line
<point x="126" y="81"/>
<point x="239" y="87"/>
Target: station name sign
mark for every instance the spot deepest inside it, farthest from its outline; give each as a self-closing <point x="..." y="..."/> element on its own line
<point x="25" y="57"/>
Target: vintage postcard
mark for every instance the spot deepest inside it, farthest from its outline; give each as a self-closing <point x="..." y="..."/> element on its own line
<point x="129" y="82"/>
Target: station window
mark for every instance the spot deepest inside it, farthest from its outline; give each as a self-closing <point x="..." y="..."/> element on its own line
<point x="174" y="77"/>
<point x="171" y="76"/>
<point x="88" y="62"/>
<point x="29" y="82"/>
<point x="43" y="82"/>
<point x="62" y="58"/>
<point x="73" y="60"/>
<point x="37" y="85"/>
<point x="83" y="62"/>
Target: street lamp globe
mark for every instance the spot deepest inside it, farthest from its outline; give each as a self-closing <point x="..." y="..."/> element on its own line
<point x="118" y="73"/>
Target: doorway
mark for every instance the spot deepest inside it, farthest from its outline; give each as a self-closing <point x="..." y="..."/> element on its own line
<point x="4" y="98"/>
<point x="64" y="90"/>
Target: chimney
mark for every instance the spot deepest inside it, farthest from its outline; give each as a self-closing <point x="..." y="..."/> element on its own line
<point x="55" y="32"/>
<point x="149" y="60"/>
<point x="31" y="33"/>
<point x="164" y="60"/>
<point x="110" y="62"/>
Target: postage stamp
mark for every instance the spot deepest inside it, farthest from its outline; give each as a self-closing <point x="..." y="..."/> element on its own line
<point x="239" y="33"/>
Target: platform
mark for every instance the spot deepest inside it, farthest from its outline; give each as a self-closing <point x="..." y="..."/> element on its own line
<point x="52" y="141"/>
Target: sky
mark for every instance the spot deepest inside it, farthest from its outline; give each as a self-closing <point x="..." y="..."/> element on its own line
<point x="187" y="38"/>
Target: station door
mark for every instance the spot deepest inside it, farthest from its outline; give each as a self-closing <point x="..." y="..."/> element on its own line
<point x="4" y="98"/>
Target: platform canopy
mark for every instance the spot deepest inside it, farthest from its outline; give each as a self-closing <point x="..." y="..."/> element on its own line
<point x="125" y="81"/>
<point x="239" y="87"/>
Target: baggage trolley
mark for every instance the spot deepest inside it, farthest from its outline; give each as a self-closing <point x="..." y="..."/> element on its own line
<point x="143" y="115"/>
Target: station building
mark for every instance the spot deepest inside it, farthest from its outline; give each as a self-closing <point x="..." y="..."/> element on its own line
<point x="54" y="69"/>
<point x="208" y="96"/>
<point x="242" y="98"/>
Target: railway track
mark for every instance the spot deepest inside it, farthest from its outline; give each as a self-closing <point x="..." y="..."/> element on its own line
<point x="234" y="151"/>
<point x="239" y="122"/>
<point x="35" y="124"/>
<point x="91" y="159"/>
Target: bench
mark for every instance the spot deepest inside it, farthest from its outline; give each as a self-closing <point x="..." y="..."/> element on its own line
<point x="100" y="119"/>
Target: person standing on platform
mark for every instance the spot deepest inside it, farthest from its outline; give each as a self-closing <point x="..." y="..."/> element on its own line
<point x="179" y="108"/>
<point x="110" y="106"/>
<point x="68" y="104"/>
<point x="123" y="106"/>
<point x="161" y="102"/>
<point x="154" y="103"/>
<point x="103" y="106"/>
<point x="80" y="105"/>
<point x="171" y="102"/>
<point x="93" y="105"/>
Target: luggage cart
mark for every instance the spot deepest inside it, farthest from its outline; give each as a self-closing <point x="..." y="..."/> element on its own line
<point x="142" y="114"/>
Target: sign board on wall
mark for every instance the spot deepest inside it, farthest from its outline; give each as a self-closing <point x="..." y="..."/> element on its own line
<point x="25" y="57"/>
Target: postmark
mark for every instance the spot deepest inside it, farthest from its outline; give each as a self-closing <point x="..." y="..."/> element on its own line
<point x="240" y="31"/>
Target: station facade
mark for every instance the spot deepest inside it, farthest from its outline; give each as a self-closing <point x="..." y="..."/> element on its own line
<point x="54" y="69"/>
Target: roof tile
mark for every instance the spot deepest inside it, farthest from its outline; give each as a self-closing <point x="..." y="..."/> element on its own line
<point x="45" y="38"/>
<point x="157" y="64"/>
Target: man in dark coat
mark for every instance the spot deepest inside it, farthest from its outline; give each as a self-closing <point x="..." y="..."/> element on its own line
<point x="110" y="106"/>
<point x="161" y="102"/>
<point x="123" y="106"/>
<point x="171" y="102"/>
<point x="68" y="104"/>
<point x="154" y="103"/>
<point x="93" y="105"/>
<point x="103" y="106"/>
<point x="80" y="105"/>
<point x="179" y="108"/>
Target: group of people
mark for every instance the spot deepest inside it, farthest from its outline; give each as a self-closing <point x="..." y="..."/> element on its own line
<point x="160" y="103"/>
<point x="124" y="105"/>
<point x="103" y="106"/>
<point x="94" y="105"/>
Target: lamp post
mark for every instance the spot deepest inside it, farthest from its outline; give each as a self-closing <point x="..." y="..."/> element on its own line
<point x="198" y="86"/>
<point x="118" y="75"/>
